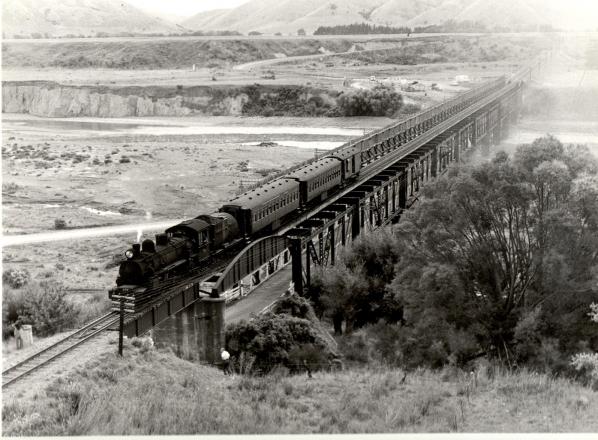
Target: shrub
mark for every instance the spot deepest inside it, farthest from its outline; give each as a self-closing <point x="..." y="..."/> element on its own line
<point x="42" y="305"/>
<point x="271" y="338"/>
<point x="410" y="108"/>
<point x="294" y="305"/>
<point x="94" y="306"/>
<point x="12" y="302"/>
<point x="355" y="347"/>
<point x="380" y="101"/>
<point x="586" y="364"/>
<point x="307" y="356"/>
<point x="59" y="223"/>
<point x="16" y="278"/>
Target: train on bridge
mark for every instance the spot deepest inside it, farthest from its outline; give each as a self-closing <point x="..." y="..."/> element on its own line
<point x="262" y="210"/>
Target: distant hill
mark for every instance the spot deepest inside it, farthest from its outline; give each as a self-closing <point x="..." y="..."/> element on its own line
<point x="78" y="17"/>
<point x="54" y="18"/>
<point x="287" y="16"/>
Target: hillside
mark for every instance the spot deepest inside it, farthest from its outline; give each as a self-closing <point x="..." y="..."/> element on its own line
<point x="153" y="393"/>
<point x="77" y="17"/>
<point x="401" y="11"/>
<point x="270" y="16"/>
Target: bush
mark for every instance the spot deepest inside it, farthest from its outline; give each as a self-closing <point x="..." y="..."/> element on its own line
<point x="285" y="101"/>
<point x="294" y="305"/>
<point x="16" y="278"/>
<point x="410" y="108"/>
<point x="355" y="347"/>
<point x="42" y="305"/>
<point x="12" y="302"/>
<point x="59" y="224"/>
<point x="586" y="365"/>
<point x="276" y="340"/>
<point x="94" y="306"/>
<point x="381" y="101"/>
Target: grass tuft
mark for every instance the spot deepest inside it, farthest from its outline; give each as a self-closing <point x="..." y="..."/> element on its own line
<point x="148" y="392"/>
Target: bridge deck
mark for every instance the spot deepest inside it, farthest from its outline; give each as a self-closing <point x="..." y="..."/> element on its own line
<point x="262" y="296"/>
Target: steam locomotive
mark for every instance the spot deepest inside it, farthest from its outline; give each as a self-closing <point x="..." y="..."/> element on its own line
<point x="189" y="244"/>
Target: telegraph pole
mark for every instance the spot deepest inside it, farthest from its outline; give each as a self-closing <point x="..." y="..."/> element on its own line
<point x="121" y="326"/>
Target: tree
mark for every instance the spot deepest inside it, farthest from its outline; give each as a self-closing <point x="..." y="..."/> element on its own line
<point x="301" y="32"/>
<point x="354" y="291"/>
<point x="337" y="292"/>
<point x="505" y="251"/>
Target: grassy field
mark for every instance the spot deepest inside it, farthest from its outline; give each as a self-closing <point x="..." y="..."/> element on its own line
<point x="149" y="392"/>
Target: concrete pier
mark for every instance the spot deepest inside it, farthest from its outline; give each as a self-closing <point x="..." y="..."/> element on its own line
<point x="195" y="333"/>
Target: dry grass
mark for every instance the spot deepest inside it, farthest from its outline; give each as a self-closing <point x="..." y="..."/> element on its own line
<point x="158" y="53"/>
<point x="149" y="392"/>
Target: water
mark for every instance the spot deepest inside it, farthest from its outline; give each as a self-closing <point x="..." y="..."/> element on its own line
<point x="99" y="127"/>
<point x="67" y="124"/>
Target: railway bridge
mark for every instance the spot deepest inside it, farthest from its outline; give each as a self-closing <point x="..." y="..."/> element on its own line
<point x="397" y="162"/>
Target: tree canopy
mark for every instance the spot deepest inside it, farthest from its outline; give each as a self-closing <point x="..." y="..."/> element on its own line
<point x="498" y="259"/>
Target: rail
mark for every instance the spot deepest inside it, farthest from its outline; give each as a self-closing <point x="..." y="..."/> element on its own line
<point x="52" y="352"/>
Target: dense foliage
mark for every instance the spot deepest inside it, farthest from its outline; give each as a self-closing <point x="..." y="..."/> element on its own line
<point x="360" y="29"/>
<point x="380" y="101"/>
<point x="286" y="101"/>
<point x="290" y="336"/>
<point x="354" y="293"/>
<point x="43" y="305"/>
<point x="452" y="26"/>
<point x="16" y="278"/>
<point x="497" y="260"/>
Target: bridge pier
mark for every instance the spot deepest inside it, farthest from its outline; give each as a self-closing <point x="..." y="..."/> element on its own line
<point x="196" y="333"/>
<point x="210" y="316"/>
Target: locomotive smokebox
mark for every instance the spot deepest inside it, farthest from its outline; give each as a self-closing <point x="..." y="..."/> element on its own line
<point x="136" y="250"/>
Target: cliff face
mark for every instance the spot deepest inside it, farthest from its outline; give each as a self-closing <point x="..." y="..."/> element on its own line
<point x="64" y="101"/>
<point x="54" y="100"/>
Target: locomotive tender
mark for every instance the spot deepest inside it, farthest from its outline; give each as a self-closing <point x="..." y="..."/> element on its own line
<point x="191" y="243"/>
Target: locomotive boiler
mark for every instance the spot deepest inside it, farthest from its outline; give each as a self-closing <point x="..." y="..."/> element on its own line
<point x="178" y="250"/>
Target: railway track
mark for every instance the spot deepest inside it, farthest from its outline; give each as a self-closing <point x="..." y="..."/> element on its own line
<point x="51" y="353"/>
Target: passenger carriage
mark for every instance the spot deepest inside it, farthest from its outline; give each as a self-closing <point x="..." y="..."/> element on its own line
<point x="265" y="206"/>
